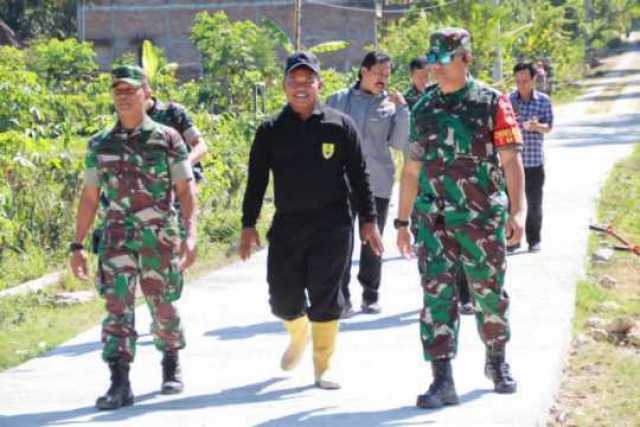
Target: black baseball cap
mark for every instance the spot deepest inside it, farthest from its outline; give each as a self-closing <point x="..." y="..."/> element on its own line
<point x="302" y="59"/>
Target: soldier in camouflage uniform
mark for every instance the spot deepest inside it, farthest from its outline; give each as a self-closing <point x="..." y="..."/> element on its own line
<point x="419" y="74"/>
<point x="141" y="167"/>
<point x="419" y="85"/>
<point x="465" y="157"/>
<point x="175" y="115"/>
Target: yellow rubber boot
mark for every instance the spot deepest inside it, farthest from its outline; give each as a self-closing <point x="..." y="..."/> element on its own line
<point x="299" y="337"/>
<point x="324" y="344"/>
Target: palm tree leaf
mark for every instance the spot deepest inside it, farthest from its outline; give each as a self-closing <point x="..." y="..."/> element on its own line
<point x="331" y="46"/>
<point x="150" y="59"/>
<point x="278" y="34"/>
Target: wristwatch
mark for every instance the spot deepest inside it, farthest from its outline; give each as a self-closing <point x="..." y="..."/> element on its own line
<point x="75" y="246"/>
<point x="399" y="223"/>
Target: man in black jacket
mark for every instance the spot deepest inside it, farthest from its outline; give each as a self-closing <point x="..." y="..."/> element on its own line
<point x="312" y="150"/>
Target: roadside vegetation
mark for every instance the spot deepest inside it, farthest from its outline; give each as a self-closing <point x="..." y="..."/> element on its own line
<point x="601" y="384"/>
<point x="54" y="98"/>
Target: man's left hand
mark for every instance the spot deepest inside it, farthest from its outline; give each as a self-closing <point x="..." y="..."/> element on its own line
<point x="369" y="234"/>
<point x="397" y="98"/>
<point x="187" y="253"/>
<point x="515" y="227"/>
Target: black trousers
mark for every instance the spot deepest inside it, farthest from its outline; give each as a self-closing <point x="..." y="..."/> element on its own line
<point x="370" y="268"/>
<point x="534" y="181"/>
<point x="305" y="265"/>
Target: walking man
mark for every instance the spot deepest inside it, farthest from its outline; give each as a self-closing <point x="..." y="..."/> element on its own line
<point x="382" y="119"/>
<point x="141" y="167"/>
<point x="175" y="116"/>
<point x="535" y="118"/>
<point x="464" y="135"/>
<point x="312" y="150"/>
<point x="419" y="74"/>
<point x="419" y="80"/>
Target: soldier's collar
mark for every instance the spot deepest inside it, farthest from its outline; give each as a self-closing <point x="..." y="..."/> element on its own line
<point x="145" y="125"/>
<point x="460" y="93"/>
<point x="415" y="89"/>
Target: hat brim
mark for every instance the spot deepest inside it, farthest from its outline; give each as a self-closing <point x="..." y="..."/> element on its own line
<point x="315" y="70"/>
<point x="131" y="82"/>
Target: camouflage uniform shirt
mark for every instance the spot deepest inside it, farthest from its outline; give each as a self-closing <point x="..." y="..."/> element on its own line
<point x="136" y="171"/>
<point x="457" y="136"/>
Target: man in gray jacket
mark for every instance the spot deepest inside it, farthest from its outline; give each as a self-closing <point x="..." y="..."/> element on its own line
<point x="382" y="119"/>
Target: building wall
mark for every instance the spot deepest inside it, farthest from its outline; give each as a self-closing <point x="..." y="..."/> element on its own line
<point x="118" y="26"/>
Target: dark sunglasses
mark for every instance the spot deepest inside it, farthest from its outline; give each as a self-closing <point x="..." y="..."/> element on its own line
<point x="444" y="59"/>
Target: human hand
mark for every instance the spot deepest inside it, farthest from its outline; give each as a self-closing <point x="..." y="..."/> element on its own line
<point x="515" y="228"/>
<point x="369" y="234"/>
<point x="249" y="242"/>
<point x="78" y="264"/>
<point x="397" y="98"/>
<point x="404" y="242"/>
<point x="531" y="125"/>
<point x="187" y="253"/>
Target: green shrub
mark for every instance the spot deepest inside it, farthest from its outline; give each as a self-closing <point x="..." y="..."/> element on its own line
<point x="62" y="63"/>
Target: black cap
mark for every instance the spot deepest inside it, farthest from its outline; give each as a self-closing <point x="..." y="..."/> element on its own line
<point x="302" y="59"/>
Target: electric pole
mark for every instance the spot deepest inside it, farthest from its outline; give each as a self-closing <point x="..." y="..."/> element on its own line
<point x="297" y="14"/>
<point x="497" y="66"/>
<point x="377" y="20"/>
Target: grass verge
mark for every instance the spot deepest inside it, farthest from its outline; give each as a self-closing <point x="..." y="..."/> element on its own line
<point x="33" y="324"/>
<point x="601" y="383"/>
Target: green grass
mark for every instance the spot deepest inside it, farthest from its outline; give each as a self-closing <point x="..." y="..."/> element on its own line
<point x="31" y="324"/>
<point x="12" y="265"/>
<point x="601" y="385"/>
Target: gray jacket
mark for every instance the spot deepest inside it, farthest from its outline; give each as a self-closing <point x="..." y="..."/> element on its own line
<point x="382" y="125"/>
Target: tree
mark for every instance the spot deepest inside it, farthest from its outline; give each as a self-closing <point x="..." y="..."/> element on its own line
<point x="62" y="61"/>
<point x="40" y="18"/>
<point x="608" y="20"/>
<point x="235" y="57"/>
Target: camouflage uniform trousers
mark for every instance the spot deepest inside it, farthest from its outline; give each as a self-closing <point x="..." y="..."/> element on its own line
<point x="150" y="257"/>
<point x="478" y="248"/>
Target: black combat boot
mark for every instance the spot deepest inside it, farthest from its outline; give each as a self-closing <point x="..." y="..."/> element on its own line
<point x="498" y="371"/>
<point x="442" y="391"/>
<point x="171" y="373"/>
<point x="119" y="393"/>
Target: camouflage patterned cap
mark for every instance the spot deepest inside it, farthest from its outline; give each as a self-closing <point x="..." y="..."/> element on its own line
<point x="446" y="42"/>
<point x="130" y="74"/>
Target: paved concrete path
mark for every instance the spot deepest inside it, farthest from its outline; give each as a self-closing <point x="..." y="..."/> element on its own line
<point x="234" y="344"/>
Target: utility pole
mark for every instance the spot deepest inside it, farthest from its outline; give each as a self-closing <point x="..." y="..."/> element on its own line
<point x="297" y="14"/>
<point x="377" y="20"/>
<point x="497" y="66"/>
<point x="588" y="14"/>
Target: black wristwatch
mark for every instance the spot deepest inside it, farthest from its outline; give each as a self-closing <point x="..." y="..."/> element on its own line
<point x="399" y="223"/>
<point x="75" y="246"/>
